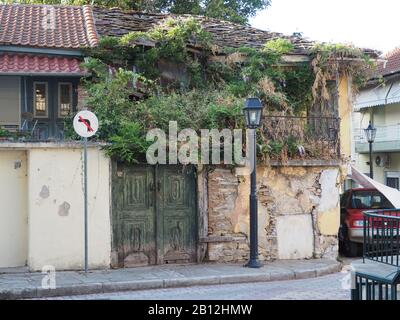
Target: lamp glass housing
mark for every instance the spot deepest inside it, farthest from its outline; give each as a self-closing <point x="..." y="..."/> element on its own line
<point x="370" y="133"/>
<point x="253" y="112"/>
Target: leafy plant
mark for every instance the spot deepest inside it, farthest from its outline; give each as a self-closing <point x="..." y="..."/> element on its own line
<point x="129" y="143"/>
<point x="230" y="10"/>
<point x="200" y="90"/>
<point x="4" y="133"/>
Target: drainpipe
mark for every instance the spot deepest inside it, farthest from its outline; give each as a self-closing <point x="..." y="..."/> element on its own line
<point x="387" y="94"/>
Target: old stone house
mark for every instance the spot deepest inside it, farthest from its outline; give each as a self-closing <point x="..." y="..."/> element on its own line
<point x="141" y="214"/>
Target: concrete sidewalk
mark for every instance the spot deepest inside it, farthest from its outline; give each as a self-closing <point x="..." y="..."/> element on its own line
<point x="21" y="285"/>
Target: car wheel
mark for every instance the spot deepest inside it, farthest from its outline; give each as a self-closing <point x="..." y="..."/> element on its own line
<point x="346" y="247"/>
<point x="351" y="249"/>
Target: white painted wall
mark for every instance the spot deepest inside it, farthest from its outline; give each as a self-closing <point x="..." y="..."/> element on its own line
<point x="56" y="208"/>
<point x="295" y="236"/>
<point x="392" y="114"/>
<point x="380" y="172"/>
<point x="388" y="115"/>
<point x="13" y="209"/>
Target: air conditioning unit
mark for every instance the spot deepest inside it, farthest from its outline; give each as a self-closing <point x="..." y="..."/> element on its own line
<point x="383" y="160"/>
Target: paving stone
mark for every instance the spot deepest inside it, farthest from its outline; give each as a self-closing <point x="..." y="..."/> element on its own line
<point x="29" y="285"/>
<point x="305" y="274"/>
<point x="79" y="289"/>
<point x="195" y="281"/>
<point x="132" y="285"/>
<point x="321" y="288"/>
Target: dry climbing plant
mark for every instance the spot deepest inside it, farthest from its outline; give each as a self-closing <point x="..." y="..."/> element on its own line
<point x="212" y="86"/>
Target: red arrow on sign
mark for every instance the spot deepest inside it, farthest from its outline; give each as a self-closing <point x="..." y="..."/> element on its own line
<point x="86" y="123"/>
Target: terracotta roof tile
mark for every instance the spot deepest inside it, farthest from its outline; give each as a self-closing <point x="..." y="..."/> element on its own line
<point x="392" y="65"/>
<point x="47" y="26"/>
<point x="33" y="64"/>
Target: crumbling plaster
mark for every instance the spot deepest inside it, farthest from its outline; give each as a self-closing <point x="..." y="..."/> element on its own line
<point x="298" y="212"/>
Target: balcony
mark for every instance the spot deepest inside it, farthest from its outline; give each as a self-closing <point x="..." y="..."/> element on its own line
<point x="301" y="138"/>
<point x="387" y="139"/>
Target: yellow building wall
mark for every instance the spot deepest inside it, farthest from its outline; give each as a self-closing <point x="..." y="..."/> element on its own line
<point x="56" y="208"/>
<point x="345" y="111"/>
<point x="13" y="209"/>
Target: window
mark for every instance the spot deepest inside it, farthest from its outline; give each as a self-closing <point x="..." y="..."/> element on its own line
<point x="369" y="199"/>
<point x="64" y="99"/>
<point x="9" y="101"/>
<point x="40" y="102"/>
<point x="393" y="182"/>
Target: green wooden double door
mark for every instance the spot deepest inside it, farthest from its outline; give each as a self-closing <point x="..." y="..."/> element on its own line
<point x="154" y="215"/>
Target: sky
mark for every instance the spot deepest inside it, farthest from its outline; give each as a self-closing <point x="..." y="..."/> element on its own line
<point x="371" y="24"/>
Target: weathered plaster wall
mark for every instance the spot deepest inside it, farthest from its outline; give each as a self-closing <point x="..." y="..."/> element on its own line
<point x="13" y="209"/>
<point x="298" y="212"/>
<point x="345" y="115"/>
<point x="56" y="208"/>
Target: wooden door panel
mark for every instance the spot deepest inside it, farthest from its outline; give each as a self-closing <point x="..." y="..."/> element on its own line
<point x="134" y="216"/>
<point x="177" y="205"/>
<point x="154" y="214"/>
<point x="135" y="198"/>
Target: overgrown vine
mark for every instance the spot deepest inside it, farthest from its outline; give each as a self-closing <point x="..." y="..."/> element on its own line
<point x="176" y="72"/>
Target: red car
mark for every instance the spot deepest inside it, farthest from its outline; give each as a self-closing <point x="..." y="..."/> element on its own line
<point x="352" y="205"/>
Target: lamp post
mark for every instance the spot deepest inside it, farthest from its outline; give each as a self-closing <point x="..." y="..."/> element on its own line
<point x="370" y="134"/>
<point x="253" y="112"/>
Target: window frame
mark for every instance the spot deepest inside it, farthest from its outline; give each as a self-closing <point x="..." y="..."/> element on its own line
<point x="47" y="99"/>
<point x="59" y="98"/>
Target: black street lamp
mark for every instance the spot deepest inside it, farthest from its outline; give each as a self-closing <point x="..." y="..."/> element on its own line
<point x="370" y="134"/>
<point x="252" y="113"/>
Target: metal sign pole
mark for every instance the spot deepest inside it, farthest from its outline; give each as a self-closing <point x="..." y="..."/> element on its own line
<point x="85" y="200"/>
<point x="86" y="125"/>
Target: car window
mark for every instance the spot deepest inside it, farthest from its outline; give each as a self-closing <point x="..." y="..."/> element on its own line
<point x="367" y="199"/>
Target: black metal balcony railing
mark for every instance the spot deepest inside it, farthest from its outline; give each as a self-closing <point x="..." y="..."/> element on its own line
<point x="378" y="277"/>
<point x="284" y="137"/>
<point x="302" y="137"/>
<point x="382" y="236"/>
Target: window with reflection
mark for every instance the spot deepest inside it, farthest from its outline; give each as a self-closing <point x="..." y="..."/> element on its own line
<point x="40" y="99"/>
<point x="65" y="99"/>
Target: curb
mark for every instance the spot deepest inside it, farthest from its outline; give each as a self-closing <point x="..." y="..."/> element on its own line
<point x="109" y="287"/>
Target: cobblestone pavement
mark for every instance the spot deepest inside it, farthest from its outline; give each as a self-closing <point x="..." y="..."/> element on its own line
<point x="68" y="283"/>
<point x="322" y="288"/>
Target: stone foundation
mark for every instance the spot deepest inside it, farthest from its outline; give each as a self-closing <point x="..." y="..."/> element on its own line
<point x="298" y="213"/>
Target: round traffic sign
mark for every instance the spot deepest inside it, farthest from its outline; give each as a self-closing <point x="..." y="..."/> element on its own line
<point x="86" y="123"/>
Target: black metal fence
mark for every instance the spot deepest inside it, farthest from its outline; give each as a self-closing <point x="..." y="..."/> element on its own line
<point x="378" y="278"/>
<point x="382" y="236"/>
<point x="302" y="137"/>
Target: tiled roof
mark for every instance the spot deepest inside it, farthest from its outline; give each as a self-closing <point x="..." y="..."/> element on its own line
<point x="33" y="64"/>
<point x="392" y="65"/>
<point x="46" y="26"/>
<point x="72" y="27"/>
<point x="116" y="22"/>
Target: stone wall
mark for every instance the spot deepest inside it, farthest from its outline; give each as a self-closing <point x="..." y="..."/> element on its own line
<point x="82" y="97"/>
<point x="298" y="213"/>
